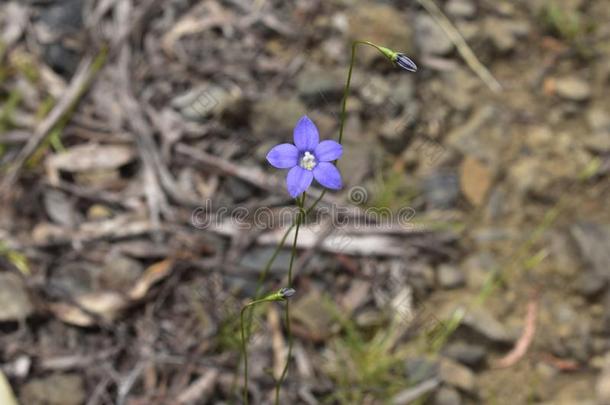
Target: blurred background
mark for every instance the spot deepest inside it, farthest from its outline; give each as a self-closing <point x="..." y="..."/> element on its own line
<point x="133" y="136"/>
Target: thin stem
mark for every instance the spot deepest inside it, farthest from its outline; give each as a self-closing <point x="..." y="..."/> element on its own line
<point x="278" y="385"/>
<point x="302" y="214"/>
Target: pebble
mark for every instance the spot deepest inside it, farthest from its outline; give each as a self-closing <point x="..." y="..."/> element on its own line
<point x="457" y="375"/>
<point x="447" y="396"/>
<point x="484" y="323"/>
<point x="430" y="37"/>
<point x="470" y="355"/>
<point x="461" y="8"/>
<point x="450" y="276"/>
<point x="15" y="303"/>
<point x="56" y="389"/>
<point x="441" y="189"/>
<point x="421" y="369"/>
<point x="573" y="88"/>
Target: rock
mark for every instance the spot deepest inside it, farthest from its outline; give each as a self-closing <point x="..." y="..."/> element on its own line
<point x="420" y="369"/>
<point x="485" y="324"/>
<point x="576" y="391"/>
<point x="593" y="241"/>
<point x="505" y="34"/>
<point x="470" y="355"/>
<point x="120" y="273"/>
<point x="590" y="284"/>
<point x="56" y="389"/>
<point x="475" y="180"/>
<point x="530" y="176"/>
<point x="598" y="143"/>
<point x="15" y="305"/>
<point x="450" y="276"/>
<point x="59" y="208"/>
<point x="276" y="117"/>
<point x="456" y="375"/>
<point x="320" y="86"/>
<point x="573" y="88"/>
<point x="478" y="267"/>
<point x="61" y="59"/>
<point x="447" y="396"/>
<point x="602" y="386"/>
<point x="430" y="37"/>
<point x="598" y="119"/>
<point x="461" y="8"/>
<point x="61" y="18"/>
<point x="474" y="138"/>
<point x="441" y="189"/>
<point x="380" y="24"/>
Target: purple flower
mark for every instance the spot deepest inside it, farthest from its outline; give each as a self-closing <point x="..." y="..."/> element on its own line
<point x="404" y="62"/>
<point x="307" y="159"/>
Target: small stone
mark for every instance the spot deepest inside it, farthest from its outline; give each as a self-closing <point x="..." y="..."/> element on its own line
<point x="56" y="389"/>
<point x="447" y="396"/>
<point x="430" y="37"/>
<point x="599" y="143"/>
<point x="421" y="369"/>
<point x="441" y="190"/>
<point x="593" y="240"/>
<point x="120" y="273"/>
<point x="15" y="305"/>
<point x="461" y="8"/>
<point x="505" y="34"/>
<point x="470" y="355"/>
<point x="450" y="276"/>
<point x="602" y="386"/>
<point x="475" y="180"/>
<point x="456" y="375"/>
<point x="590" y="284"/>
<point x="598" y="120"/>
<point x="59" y="208"/>
<point x="573" y="88"/>
<point x="484" y="323"/>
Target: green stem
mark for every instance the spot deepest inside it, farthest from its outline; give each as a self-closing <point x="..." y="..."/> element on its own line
<point x="300" y="217"/>
<point x="304" y="213"/>
<point x="277" y="296"/>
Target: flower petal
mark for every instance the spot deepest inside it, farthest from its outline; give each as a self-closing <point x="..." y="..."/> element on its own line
<point x="283" y="156"/>
<point x="405" y="62"/>
<point x="298" y="180"/>
<point x="328" y="175"/>
<point x="306" y="136"/>
<point x="327" y="151"/>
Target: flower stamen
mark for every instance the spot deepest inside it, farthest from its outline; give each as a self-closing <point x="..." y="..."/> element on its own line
<point x="308" y="161"/>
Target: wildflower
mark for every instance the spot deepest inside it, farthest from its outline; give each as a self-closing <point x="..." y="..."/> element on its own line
<point x="307" y="159"/>
<point x="399" y="59"/>
<point x="404" y="62"/>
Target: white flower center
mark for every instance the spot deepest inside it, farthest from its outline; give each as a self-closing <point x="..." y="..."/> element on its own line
<point x="308" y="161"/>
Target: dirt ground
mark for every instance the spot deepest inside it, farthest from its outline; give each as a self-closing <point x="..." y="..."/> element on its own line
<point x="138" y="209"/>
